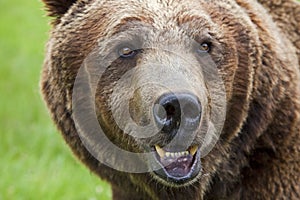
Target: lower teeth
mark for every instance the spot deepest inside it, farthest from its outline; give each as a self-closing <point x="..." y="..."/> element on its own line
<point x="163" y="154"/>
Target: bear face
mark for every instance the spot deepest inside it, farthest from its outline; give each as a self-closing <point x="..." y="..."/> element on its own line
<point x="164" y="94"/>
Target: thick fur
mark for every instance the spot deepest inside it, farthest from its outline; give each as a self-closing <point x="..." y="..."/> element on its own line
<point x="258" y="153"/>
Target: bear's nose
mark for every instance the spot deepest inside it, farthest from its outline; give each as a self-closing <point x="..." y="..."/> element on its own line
<point x="174" y="111"/>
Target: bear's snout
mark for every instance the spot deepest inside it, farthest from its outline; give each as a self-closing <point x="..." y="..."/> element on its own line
<point x="172" y="111"/>
<point x="177" y="114"/>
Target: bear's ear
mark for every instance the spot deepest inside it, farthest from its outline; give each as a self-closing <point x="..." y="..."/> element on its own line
<point x="56" y="8"/>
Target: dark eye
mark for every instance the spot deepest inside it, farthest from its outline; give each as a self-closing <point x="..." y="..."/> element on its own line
<point x="204" y="47"/>
<point x="126" y="52"/>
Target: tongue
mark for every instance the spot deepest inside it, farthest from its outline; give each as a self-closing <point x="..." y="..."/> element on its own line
<point x="178" y="167"/>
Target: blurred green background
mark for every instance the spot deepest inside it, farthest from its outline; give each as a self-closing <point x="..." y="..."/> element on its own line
<point x="35" y="163"/>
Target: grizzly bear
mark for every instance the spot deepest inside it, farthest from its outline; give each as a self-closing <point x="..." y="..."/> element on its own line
<point x="170" y="99"/>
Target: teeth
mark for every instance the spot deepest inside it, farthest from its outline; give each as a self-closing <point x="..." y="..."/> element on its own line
<point x="169" y="154"/>
<point x="164" y="154"/>
<point x="160" y="151"/>
<point x="193" y="150"/>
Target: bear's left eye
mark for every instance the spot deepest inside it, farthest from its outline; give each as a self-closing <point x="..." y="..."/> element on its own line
<point x="126" y="52"/>
<point x="204" y="47"/>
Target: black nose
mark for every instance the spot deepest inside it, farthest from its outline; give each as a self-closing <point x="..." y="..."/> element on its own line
<point x="174" y="111"/>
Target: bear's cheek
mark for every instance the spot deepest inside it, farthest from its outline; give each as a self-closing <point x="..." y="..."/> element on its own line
<point x="105" y="89"/>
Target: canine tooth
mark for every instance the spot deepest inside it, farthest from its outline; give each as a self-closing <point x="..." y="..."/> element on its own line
<point x="193" y="150"/>
<point x="168" y="154"/>
<point x="160" y="151"/>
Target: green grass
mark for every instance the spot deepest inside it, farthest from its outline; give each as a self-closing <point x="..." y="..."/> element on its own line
<point x="35" y="163"/>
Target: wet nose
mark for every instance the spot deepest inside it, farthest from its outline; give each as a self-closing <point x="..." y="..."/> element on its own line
<point x="174" y="111"/>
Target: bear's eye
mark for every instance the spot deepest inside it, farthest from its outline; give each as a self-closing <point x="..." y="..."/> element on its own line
<point x="204" y="47"/>
<point x="126" y="52"/>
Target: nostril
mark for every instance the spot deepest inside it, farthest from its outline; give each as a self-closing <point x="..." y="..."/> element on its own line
<point x="191" y="114"/>
<point x="167" y="113"/>
<point x="170" y="111"/>
<point x="192" y="109"/>
<point x="160" y="114"/>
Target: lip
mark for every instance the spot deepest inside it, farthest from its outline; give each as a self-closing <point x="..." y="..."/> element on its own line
<point x="178" y="168"/>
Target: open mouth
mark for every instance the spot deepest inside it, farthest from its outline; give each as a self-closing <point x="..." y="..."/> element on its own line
<point x="178" y="167"/>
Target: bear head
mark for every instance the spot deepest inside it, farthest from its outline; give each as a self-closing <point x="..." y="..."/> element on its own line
<point x="160" y="91"/>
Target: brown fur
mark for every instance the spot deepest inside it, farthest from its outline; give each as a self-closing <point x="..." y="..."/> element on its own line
<point x="258" y="54"/>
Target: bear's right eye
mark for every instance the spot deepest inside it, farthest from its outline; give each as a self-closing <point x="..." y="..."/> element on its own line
<point x="126" y="52"/>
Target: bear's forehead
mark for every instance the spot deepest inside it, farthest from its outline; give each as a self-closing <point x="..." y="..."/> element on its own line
<point x="159" y="14"/>
<point x="153" y="20"/>
<point x="109" y="16"/>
